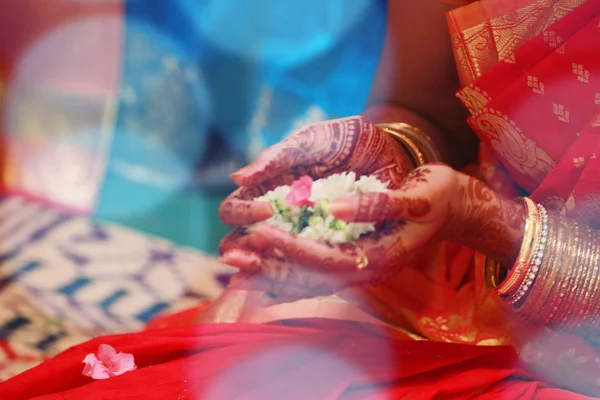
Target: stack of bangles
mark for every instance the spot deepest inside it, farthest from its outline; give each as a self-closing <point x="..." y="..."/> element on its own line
<point x="417" y="143"/>
<point x="556" y="278"/>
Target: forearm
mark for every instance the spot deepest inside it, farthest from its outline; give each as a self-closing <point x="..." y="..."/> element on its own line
<point x="417" y="80"/>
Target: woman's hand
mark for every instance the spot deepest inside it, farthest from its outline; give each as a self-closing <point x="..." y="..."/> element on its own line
<point x="438" y="203"/>
<point x="318" y="150"/>
<point x="433" y="203"/>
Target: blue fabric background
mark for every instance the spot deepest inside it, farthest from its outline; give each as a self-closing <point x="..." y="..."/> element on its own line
<point x="207" y="84"/>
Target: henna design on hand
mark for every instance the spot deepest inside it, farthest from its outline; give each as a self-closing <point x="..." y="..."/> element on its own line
<point x="485" y="221"/>
<point x="239" y="208"/>
<point x="346" y="144"/>
<point x="434" y="203"/>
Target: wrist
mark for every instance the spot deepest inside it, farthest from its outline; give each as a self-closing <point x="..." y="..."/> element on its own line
<point x="417" y="143"/>
<point x="452" y="151"/>
<point x="487" y="222"/>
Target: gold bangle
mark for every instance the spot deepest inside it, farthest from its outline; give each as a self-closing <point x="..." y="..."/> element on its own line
<point x="594" y="312"/>
<point x="555" y="279"/>
<point x="491" y="273"/>
<point x="492" y="268"/>
<point x="593" y="296"/>
<point x="529" y="306"/>
<point x="522" y="263"/>
<point x="494" y="274"/>
<point x="535" y="259"/>
<point x="419" y="145"/>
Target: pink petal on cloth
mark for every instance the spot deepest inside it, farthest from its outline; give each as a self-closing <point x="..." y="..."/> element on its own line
<point x="124" y="362"/>
<point x="94" y="368"/>
<point x="106" y="352"/>
<point x="107" y="363"/>
<point x="300" y="191"/>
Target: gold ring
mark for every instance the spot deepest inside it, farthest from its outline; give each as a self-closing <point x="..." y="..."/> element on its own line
<point x="361" y="260"/>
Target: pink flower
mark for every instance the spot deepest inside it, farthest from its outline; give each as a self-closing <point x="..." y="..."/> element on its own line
<point x="299" y="194"/>
<point x="107" y="363"/>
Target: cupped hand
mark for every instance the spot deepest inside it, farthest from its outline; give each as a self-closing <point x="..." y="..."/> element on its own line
<point x="296" y="266"/>
<point x="433" y="203"/>
<point x="439" y="203"/>
<point x="318" y="150"/>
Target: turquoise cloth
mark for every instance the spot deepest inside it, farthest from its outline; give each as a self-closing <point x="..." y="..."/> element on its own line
<point x="207" y="84"/>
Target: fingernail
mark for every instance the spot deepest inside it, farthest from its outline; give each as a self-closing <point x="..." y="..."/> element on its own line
<point x="240" y="259"/>
<point x="341" y="209"/>
<point x="228" y="259"/>
<point x="266" y="211"/>
<point x="240" y="171"/>
<point x="238" y="177"/>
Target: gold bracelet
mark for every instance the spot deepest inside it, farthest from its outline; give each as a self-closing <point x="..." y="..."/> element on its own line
<point x="578" y="313"/>
<point x="491" y="273"/>
<point x="573" y="311"/>
<point x="534" y="263"/>
<point x="531" y="304"/>
<point x="568" y="277"/>
<point x="417" y="143"/>
<point x="558" y="271"/>
<point x="593" y="293"/>
<point x="531" y="236"/>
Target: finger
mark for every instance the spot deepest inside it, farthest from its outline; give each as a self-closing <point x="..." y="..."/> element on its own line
<point x="322" y="147"/>
<point x="265" y="238"/>
<point x="236" y="239"/>
<point x="241" y="208"/>
<point x="378" y="207"/>
<point x="412" y="201"/>
<point x="234" y="212"/>
<point x="246" y="260"/>
<point x="269" y="163"/>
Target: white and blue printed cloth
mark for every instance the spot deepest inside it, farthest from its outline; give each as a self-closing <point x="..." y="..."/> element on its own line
<point x="64" y="279"/>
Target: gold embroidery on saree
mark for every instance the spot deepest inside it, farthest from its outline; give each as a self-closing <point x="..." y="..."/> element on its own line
<point x="535" y="84"/>
<point x="479" y="48"/>
<point x="507" y="140"/>
<point x="473" y="98"/>
<point x="561" y="113"/>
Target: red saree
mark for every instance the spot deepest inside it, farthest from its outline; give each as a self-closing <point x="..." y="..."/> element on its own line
<point x="324" y="360"/>
<point x="530" y="71"/>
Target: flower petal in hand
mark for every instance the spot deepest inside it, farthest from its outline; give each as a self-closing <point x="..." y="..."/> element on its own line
<point x="107" y="363"/>
<point x="300" y="192"/>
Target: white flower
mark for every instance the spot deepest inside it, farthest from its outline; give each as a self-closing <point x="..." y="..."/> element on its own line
<point x="370" y="184"/>
<point x="278" y="195"/>
<point x="334" y="187"/>
<point x="314" y="222"/>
